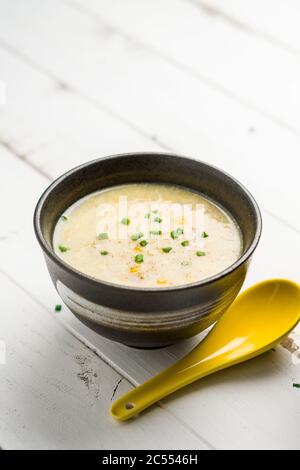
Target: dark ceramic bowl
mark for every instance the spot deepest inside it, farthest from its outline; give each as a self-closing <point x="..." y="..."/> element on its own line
<point x="147" y="317"/>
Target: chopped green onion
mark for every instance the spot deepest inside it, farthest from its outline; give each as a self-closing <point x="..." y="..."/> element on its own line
<point x="200" y="253"/>
<point x="58" y="308"/>
<point x="147" y="216"/>
<point x="125" y="221"/>
<point x="155" y="232"/>
<point x="167" y="249"/>
<point x="64" y="218"/>
<point x="103" y="253"/>
<point x="296" y="385"/>
<point x="139" y="258"/>
<point x="204" y="234"/>
<point x="179" y="231"/>
<point x="103" y="236"/>
<point x="174" y="234"/>
<point x="63" y="248"/>
<point x="158" y="220"/>
<point x="143" y="243"/>
<point x="185" y="243"/>
<point x="136" y="236"/>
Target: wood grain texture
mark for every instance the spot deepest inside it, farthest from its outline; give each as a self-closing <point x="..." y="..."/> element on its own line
<point x="55" y="392"/>
<point x="55" y="389"/>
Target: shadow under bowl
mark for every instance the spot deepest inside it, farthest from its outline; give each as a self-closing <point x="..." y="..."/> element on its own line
<point x="147" y="317"/>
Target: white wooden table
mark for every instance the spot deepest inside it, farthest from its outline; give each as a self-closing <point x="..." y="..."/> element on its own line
<point x="215" y="79"/>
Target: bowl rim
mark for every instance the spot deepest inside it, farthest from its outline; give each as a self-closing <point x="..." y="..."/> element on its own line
<point x="96" y="282"/>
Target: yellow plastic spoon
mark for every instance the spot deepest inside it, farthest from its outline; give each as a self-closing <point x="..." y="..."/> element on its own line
<point x="257" y="320"/>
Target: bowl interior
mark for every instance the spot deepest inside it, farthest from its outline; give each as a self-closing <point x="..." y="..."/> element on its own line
<point x="150" y="167"/>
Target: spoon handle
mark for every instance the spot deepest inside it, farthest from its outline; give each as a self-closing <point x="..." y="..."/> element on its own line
<point x="182" y="373"/>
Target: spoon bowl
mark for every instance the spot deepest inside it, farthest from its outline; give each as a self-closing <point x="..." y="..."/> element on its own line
<point x="256" y="321"/>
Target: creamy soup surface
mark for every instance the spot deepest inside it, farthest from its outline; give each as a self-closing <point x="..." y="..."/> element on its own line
<point x="147" y="235"/>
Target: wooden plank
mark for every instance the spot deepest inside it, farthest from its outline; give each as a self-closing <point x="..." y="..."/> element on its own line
<point x="233" y="59"/>
<point x="219" y="409"/>
<point x="277" y="22"/>
<point x="71" y="130"/>
<point x="172" y="108"/>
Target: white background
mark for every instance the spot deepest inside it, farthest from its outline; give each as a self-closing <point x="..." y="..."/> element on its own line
<point x="215" y="79"/>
